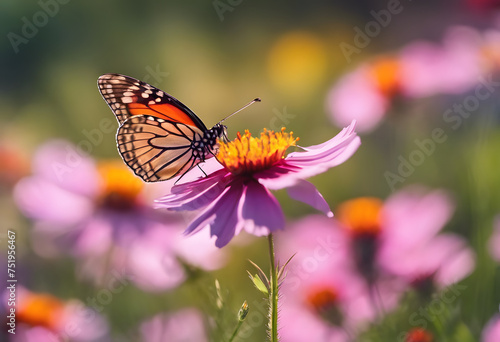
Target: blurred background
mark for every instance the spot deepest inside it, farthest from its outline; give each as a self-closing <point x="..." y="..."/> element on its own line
<point x="422" y="80"/>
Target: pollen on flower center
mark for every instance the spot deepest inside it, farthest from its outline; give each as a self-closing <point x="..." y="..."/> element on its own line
<point x="247" y="154"/>
<point x="119" y="189"/>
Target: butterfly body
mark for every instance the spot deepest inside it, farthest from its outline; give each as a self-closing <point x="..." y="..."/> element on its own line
<point x="159" y="138"/>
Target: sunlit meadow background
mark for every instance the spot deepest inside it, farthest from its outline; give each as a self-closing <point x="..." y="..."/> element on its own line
<point x="215" y="56"/>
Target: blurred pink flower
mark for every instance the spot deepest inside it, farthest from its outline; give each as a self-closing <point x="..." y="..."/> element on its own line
<point x="367" y="93"/>
<point x="237" y="195"/>
<point x="185" y="325"/>
<point x="322" y="289"/>
<point x="45" y="318"/>
<point x="494" y="243"/>
<point x="410" y="246"/>
<point x="100" y="215"/>
<point x="491" y="332"/>
<point x="457" y="61"/>
<point x="357" y="96"/>
<point x="400" y="238"/>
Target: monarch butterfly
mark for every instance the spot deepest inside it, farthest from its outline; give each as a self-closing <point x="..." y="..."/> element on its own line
<point x="159" y="138"/>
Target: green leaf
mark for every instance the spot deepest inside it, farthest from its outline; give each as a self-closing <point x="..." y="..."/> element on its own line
<point x="261" y="272"/>
<point x="281" y="273"/>
<point x="259" y="284"/>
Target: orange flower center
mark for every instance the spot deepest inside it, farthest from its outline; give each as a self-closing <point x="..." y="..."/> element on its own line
<point x="120" y="188"/>
<point x="385" y="71"/>
<point x="247" y="155"/>
<point x="362" y="216"/>
<point x="40" y="310"/>
<point x="419" y="335"/>
<point x="323" y="300"/>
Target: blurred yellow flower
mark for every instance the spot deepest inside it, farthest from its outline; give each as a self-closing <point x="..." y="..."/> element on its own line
<point x="297" y="63"/>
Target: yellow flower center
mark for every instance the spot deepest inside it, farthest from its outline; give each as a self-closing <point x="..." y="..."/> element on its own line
<point x="246" y="154"/>
<point x="361" y="215"/>
<point x="120" y="188"/>
<point x="40" y="310"/>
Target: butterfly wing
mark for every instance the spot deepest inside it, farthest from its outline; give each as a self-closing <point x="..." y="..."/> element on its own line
<point x="157" y="149"/>
<point x="127" y="97"/>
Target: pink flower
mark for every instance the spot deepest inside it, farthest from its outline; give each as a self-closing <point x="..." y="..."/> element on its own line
<point x="368" y="93"/>
<point x="411" y="246"/>
<point x="457" y="61"/>
<point x="99" y="213"/>
<point x="322" y="289"/>
<point x="185" y="325"/>
<point x="237" y="195"/>
<point x="45" y="318"/>
<point x="494" y="243"/>
<point x="357" y="96"/>
<point x="491" y="332"/>
<point x="399" y="238"/>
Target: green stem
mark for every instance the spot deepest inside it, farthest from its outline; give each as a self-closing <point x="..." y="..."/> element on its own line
<point x="235" y="332"/>
<point x="273" y="296"/>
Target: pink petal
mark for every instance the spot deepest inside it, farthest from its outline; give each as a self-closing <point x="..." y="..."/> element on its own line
<point x="310" y="328"/>
<point x="412" y="217"/>
<point x="199" y="250"/>
<point x="77" y="316"/>
<point x="42" y="200"/>
<point x="261" y="211"/>
<point x="306" y="192"/>
<point x="63" y="164"/>
<point x="316" y="159"/>
<point x="221" y="216"/>
<point x="357" y="97"/>
<point x="446" y="256"/>
<point x="457" y="61"/>
<point x="182" y="326"/>
<point x="491" y="332"/>
<point x="195" y="195"/>
<point x="459" y="264"/>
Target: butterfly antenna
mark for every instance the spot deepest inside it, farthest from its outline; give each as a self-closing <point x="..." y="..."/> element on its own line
<point x="239" y="110"/>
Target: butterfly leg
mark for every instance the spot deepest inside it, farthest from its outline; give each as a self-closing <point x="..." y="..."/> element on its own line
<point x="199" y="167"/>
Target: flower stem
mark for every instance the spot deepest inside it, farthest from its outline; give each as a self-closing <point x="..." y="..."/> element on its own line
<point x="273" y="295"/>
<point x="235" y="332"/>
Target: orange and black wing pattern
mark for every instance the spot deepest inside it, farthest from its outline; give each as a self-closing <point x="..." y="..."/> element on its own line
<point x="127" y="97"/>
<point x="157" y="149"/>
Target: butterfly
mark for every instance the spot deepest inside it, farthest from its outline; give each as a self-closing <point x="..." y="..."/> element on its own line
<point x="159" y="138"/>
